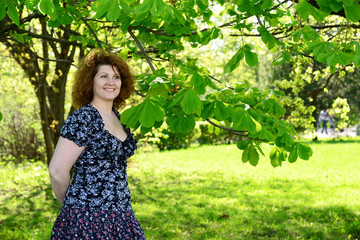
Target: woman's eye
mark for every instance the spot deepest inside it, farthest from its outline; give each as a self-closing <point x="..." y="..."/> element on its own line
<point x="103" y="76"/>
<point x="116" y="77"/>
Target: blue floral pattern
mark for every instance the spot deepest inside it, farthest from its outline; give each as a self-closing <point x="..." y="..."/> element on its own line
<point x="99" y="181"/>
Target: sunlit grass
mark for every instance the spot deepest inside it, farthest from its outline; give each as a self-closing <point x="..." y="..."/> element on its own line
<point x="208" y="193"/>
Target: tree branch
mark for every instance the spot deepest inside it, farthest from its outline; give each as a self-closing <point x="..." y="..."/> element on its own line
<point x="239" y="133"/>
<point x="141" y="49"/>
<point x="34" y="54"/>
<point x="92" y="32"/>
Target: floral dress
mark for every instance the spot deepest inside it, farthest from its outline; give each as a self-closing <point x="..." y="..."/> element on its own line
<point x="97" y="204"/>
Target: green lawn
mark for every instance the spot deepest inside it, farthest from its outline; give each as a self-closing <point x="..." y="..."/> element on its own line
<point x="208" y="193"/>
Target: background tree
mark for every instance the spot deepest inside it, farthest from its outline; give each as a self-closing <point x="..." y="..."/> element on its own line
<point x="179" y="90"/>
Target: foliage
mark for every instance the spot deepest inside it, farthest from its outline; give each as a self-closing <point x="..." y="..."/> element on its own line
<point x="340" y="109"/>
<point x="180" y="91"/>
<point x="306" y="87"/>
<point x="202" y="193"/>
<point x="20" y="129"/>
<point x="203" y="133"/>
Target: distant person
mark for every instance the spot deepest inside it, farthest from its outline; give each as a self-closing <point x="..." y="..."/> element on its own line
<point x="97" y="202"/>
<point x="323" y="120"/>
<point x="332" y="121"/>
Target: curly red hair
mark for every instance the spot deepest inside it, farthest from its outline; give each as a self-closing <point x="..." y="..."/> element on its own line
<point x="82" y="92"/>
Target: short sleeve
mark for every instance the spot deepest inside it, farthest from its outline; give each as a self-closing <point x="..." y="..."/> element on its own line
<point x="77" y="127"/>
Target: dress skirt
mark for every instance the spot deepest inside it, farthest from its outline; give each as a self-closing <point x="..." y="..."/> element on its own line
<point x="96" y="224"/>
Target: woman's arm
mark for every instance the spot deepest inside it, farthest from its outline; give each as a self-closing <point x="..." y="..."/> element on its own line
<point x="65" y="155"/>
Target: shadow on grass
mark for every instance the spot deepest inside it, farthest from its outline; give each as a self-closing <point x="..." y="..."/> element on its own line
<point x="243" y="209"/>
<point x="334" y="141"/>
<point x="25" y="214"/>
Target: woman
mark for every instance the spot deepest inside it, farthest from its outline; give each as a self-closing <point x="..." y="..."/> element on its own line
<point x="97" y="203"/>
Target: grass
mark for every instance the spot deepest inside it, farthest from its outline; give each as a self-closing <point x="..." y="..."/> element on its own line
<point x="208" y="193"/>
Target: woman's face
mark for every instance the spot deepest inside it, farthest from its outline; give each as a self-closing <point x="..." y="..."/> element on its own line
<point x="107" y="83"/>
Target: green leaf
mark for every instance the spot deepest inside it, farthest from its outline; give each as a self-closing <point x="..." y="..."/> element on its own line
<point x="189" y="4"/>
<point x="101" y="7"/>
<point x="179" y="123"/>
<point x="47" y="7"/>
<point x="296" y="35"/>
<point x="348" y="3"/>
<point x="357" y="60"/>
<point x="144" y="7"/>
<point x="65" y="17"/>
<point x="202" y="4"/>
<point x="251" y="58"/>
<point x="191" y="103"/>
<point x="293" y="154"/>
<point x="234" y="61"/>
<point x="178" y="15"/>
<point x="208" y="109"/>
<point x="245" y="155"/>
<point x="353" y="12"/>
<point x="345" y="58"/>
<point x="130" y="117"/>
<point x="238" y="119"/>
<point x="242" y="120"/>
<point x="1" y="116"/>
<point x="309" y="33"/>
<point x="336" y="6"/>
<point x="157" y="8"/>
<point x="332" y="60"/>
<point x="179" y="95"/>
<point x="152" y="111"/>
<point x="13" y="14"/>
<point x="126" y="7"/>
<point x="199" y="83"/>
<point x="146" y="113"/>
<point x="267" y="38"/>
<point x="243" y="5"/>
<point x="303" y="8"/>
<point x="265" y="134"/>
<point x="3" y="10"/>
<point x="158" y="87"/>
<point x="209" y="35"/>
<point x="242" y="145"/>
<point x="114" y="11"/>
<point x="282" y="58"/>
<point x="251" y="124"/>
<point x="253" y="156"/>
<point x="304" y="151"/>
<point x="221" y="111"/>
<point x="274" y="157"/>
<point x="144" y="130"/>
<point x="267" y="4"/>
<point x="31" y="4"/>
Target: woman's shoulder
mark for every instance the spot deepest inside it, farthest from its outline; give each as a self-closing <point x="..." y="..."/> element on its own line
<point x="86" y="111"/>
<point x="84" y="116"/>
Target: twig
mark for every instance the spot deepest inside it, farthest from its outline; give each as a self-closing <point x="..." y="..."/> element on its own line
<point x="217" y="80"/>
<point x="138" y="93"/>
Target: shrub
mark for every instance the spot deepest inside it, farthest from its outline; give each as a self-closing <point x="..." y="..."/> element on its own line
<point x="20" y="136"/>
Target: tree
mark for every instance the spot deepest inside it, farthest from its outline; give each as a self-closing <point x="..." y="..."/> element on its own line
<point x="179" y="90"/>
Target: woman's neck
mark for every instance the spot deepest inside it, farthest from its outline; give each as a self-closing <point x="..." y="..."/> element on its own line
<point x="103" y="107"/>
